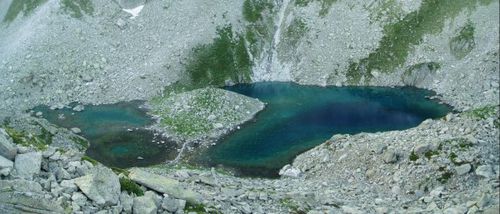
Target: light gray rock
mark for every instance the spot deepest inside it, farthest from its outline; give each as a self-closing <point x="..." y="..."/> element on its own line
<point x="463" y="169"/>
<point x="170" y="204"/>
<point x="78" y="108"/>
<point x="144" y="205"/>
<point x="485" y="171"/>
<point x="420" y="149"/>
<point x="6" y="166"/>
<point x="79" y="198"/>
<point x="164" y="185"/>
<point x="76" y="130"/>
<point x="7" y="148"/>
<point x="390" y="157"/>
<point x="127" y="202"/>
<point x="289" y="171"/>
<point x="28" y="164"/>
<point x="101" y="186"/>
<point x="13" y="202"/>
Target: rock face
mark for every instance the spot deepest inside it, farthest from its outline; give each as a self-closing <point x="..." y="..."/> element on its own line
<point x="28" y="164"/>
<point x="144" y="205"/>
<point x="289" y="171"/>
<point x="101" y="186"/>
<point x="7" y="148"/>
<point x="164" y="185"/>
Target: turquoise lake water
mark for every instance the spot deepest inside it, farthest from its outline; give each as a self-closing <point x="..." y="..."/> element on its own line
<point x="116" y="133"/>
<point x="298" y="118"/>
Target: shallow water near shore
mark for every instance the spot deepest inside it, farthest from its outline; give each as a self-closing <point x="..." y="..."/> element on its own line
<point x="297" y="118"/>
<point x="116" y="133"/>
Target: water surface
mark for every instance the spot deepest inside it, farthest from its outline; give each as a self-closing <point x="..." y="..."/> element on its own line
<point x="116" y="133"/>
<point x="298" y="118"/>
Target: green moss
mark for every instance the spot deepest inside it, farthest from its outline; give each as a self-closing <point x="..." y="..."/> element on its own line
<point x="462" y="44"/>
<point x="400" y="37"/>
<point x="118" y="171"/>
<point x="77" y="8"/>
<point x="445" y="177"/>
<point x="89" y="159"/>
<point x="39" y="142"/>
<point x="413" y="156"/>
<point x="197" y="208"/>
<point x="226" y="58"/>
<point x="292" y="206"/>
<point x="130" y="187"/>
<point x="325" y="5"/>
<point x="483" y="112"/>
<point x="81" y="141"/>
<point x="24" y="6"/>
<point x="297" y="29"/>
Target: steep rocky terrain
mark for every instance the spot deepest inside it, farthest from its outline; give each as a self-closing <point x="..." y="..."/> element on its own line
<point x="57" y="51"/>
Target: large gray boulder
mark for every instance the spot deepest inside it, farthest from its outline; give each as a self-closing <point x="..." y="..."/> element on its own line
<point x="144" y="205"/>
<point x="101" y="186"/>
<point x="27" y="165"/>
<point x="23" y="196"/>
<point x="7" y="148"/>
<point x="164" y="185"/>
<point x="6" y="166"/>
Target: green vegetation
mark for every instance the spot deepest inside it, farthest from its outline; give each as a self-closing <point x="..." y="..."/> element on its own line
<point x="400" y="37"/>
<point x="428" y="66"/>
<point x="39" y="142"/>
<point x="225" y="59"/>
<point x="413" y="156"/>
<point x="24" y="6"/>
<point x="130" y="187"/>
<point x="430" y="153"/>
<point x="292" y="206"/>
<point x="252" y="9"/>
<point x="197" y="208"/>
<point x="325" y="5"/>
<point x="81" y="141"/>
<point x="89" y="159"/>
<point x="463" y="43"/>
<point x="483" y="112"/>
<point x="445" y="177"/>
<point x="297" y="29"/>
<point x="77" y="8"/>
<point x="118" y="171"/>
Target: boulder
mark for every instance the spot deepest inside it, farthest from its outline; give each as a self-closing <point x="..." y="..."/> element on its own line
<point x="144" y="205"/>
<point x="101" y="186"/>
<point x="289" y="171"/>
<point x="28" y="164"/>
<point x="463" y="169"/>
<point x="485" y="171"/>
<point x="6" y="166"/>
<point x="390" y="157"/>
<point x="164" y="185"/>
<point x="14" y="202"/>
<point x="7" y="148"/>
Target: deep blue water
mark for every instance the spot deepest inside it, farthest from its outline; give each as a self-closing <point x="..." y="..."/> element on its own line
<point x="298" y="118"/>
<point x="107" y="127"/>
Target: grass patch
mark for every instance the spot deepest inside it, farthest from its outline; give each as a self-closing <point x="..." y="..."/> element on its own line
<point x="462" y="44"/>
<point x="225" y="59"/>
<point x="39" y="142"/>
<point x="292" y="206"/>
<point x="252" y="9"/>
<point x="400" y="37"/>
<point x="325" y="5"/>
<point x="89" y="159"/>
<point x="445" y="177"/>
<point x="483" y="112"/>
<point x="130" y="187"/>
<point x="413" y="156"/>
<point x="430" y="153"/>
<point x="21" y="6"/>
<point x="77" y="8"/>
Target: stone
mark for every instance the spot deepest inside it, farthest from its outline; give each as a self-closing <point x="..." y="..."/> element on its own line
<point x="144" y="205"/>
<point x="6" y="166"/>
<point x="76" y="130"/>
<point x="164" y="185"/>
<point x="390" y="157"/>
<point x="170" y="204"/>
<point x="289" y="171"/>
<point x="463" y="169"/>
<point x="421" y="149"/>
<point x="7" y="148"/>
<point x="455" y="210"/>
<point x="20" y="185"/>
<point x="14" y="202"/>
<point x="68" y="186"/>
<point x="127" y="202"/>
<point x="350" y="210"/>
<point x="485" y="171"/>
<point x="28" y="164"/>
<point x="78" y="108"/>
<point x="121" y="23"/>
<point x="101" y="186"/>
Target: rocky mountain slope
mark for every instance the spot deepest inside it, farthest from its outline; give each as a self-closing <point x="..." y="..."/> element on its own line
<point x="57" y="51"/>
